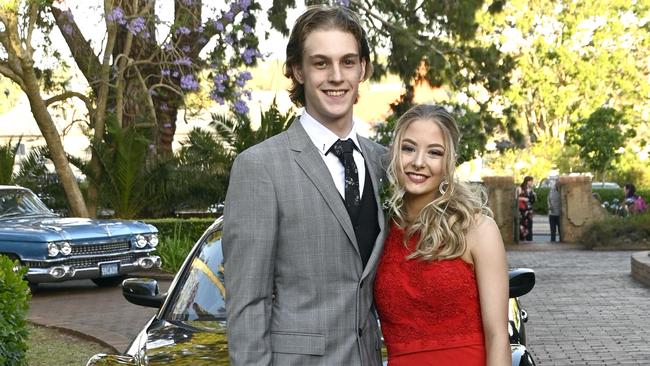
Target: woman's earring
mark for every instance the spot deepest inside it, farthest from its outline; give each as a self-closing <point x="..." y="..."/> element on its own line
<point x="443" y="186"/>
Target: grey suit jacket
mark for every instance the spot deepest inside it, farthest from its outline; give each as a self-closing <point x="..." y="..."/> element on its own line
<point x="297" y="293"/>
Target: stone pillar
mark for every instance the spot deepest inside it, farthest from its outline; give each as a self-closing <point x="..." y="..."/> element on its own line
<point x="579" y="207"/>
<point x="501" y="199"/>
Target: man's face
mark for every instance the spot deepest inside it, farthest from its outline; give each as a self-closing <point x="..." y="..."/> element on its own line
<point x="331" y="71"/>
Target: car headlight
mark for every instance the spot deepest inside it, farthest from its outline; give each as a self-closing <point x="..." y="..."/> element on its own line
<point x="153" y="240"/>
<point x="140" y="241"/>
<point x="65" y="248"/>
<point x="52" y="250"/>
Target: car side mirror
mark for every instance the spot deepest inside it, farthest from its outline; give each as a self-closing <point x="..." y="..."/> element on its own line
<point x="143" y="291"/>
<point x="522" y="280"/>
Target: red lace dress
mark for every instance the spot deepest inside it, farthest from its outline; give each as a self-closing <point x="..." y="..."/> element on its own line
<point x="429" y="310"/>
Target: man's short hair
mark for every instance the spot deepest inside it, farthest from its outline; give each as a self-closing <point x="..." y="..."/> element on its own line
<point x="320" y="17"/>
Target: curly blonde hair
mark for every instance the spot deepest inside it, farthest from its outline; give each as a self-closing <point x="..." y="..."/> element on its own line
<point x="443" y="223"/>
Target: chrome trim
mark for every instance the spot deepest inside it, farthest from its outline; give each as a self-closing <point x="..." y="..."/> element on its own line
<point x="62" y="259"/>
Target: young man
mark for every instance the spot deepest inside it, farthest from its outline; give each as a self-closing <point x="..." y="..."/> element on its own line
<point x="303" y="227"/>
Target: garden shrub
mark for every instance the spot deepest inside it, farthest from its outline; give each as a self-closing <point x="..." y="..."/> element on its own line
<point x="629" y="232"/>
<point x="177" y="237"/>
<point x="14" y="297"/>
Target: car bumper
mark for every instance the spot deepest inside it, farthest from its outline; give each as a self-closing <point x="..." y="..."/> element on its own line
<point x="58" y="273"/>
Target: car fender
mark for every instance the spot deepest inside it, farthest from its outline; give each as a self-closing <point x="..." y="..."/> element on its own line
<point x="521" y="356"/>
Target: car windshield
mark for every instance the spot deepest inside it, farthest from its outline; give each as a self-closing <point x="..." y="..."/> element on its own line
<point x="202" y="291"/>
<point x="20" y="202"/>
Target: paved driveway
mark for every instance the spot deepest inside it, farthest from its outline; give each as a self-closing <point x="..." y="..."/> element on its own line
<point x="585" y="308"/>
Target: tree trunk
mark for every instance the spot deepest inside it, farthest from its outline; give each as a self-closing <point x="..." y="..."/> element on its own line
<point x="53" y="140"/>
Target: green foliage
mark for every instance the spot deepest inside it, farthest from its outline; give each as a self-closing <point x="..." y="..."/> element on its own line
<point x="608" y="195"/>
<point x="599" y="138"/>
<point x="206" y="157"/>
<point x="615" y="231"/>
<point x="177" y="237"/>
<point x="540" y="206"/>
<point x="33" y="174"/>
<point x="14" y="297"/>
<point x="7" y="161"/>
<point x="128" y="170"/>
<point x="571" y="58"/>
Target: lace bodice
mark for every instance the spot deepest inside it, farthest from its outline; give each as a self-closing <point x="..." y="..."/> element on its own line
<point x="425" y="305"/>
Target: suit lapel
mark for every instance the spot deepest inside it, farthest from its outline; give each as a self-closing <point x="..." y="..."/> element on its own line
<point x="311" y="162"/>
<point x="375" y="170"/>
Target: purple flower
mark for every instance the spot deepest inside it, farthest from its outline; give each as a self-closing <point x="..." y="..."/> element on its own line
<point x="187" y="2"/>
<point x="345" y="3"/>
<point x="218" y="26"/>
<point x="228" y="39"/>
<point x="164" y="107"/>
<point x="67" y="28"/>
<point x="240" y="107"/>
<point x="183" y="30"/>
<point x="175" y="74"/>
<point x="244" y="4"/>
<point x="164" y="72"/>
<point x="117" y="16"/>
<point x="185" y="48"/>
<point x="248" y="29"/>
<point x="229" y="15"/>
<point x="189" y="83"/>
<point x="200" y="29"/>
<point x="136" y="26"/>
<point x="167" y="125"/>
<point x="217" y="98"/>
<point x="248" y="55"/>
<point x="183" y="61"/>
<point x="242" y="78"/>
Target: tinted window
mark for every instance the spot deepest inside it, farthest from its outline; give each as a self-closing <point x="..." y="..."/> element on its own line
<point x="202" y="294"/>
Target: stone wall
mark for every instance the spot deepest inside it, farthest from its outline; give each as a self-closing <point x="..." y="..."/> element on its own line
<point x="579" y="207"/>
<point x="501" y="199"/>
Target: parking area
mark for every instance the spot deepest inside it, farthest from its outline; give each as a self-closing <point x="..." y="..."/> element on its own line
<point x="585" y="308"/>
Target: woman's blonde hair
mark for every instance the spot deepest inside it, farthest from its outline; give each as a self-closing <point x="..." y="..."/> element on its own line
<point x="442" y="224"/>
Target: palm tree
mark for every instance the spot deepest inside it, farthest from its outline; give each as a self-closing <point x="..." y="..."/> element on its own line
<point x="7" y="160"/>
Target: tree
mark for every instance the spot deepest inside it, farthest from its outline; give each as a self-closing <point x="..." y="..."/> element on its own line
<point x="18" y="21"/>
<point x="600" y="138"/>
<point x="439" y="43"/>
<point x="137" y="78"/>
<point x="573" y="57"/>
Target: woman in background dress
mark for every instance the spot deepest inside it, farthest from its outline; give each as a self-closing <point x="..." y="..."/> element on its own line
<point x="442" y="286"/>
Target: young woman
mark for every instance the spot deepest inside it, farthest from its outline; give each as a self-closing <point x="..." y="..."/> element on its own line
<point x="442" y="286"/>
<point x="525" y="199"/>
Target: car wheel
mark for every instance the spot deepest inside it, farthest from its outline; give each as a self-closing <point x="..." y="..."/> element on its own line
<point x="108" y="281"/>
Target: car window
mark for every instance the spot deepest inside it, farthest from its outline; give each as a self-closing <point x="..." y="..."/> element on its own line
<point x="202" y="292"/>
<point x="21" y="202"/>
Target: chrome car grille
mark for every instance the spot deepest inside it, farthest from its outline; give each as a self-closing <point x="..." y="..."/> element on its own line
<point x="103" y="248"/>
<point x="88" y="262"/>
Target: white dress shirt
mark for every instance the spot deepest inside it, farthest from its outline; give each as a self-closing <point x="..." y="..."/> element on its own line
<point x="323" y="139"/>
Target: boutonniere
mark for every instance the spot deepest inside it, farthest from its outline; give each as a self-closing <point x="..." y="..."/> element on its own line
<point x="385" y="192"/>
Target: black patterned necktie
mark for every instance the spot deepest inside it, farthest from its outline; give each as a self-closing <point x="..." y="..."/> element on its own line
<point x="343" y="150"/>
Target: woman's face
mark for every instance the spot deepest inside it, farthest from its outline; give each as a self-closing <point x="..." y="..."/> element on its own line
<point x="422" y="155"/>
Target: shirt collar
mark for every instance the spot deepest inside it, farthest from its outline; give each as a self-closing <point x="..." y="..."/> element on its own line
<point x="322" y="137"/>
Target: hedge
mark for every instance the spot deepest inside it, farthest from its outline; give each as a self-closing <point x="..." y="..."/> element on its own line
<point x="191" y="228"/>
<point x="14" y="297"/>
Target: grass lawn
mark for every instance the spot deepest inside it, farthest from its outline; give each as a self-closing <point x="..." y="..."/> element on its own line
<point x="50" y="347"/>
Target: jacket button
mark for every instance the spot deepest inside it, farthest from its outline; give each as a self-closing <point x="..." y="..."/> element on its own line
<point x="360" y="332"/>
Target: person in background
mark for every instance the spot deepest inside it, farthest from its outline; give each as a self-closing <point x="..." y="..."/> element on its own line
<point x="442" y="284"/>
<point x="526" y="197"/>
<point x="303" y="227"/>
<point x="554" y="208"/>
<point x="634" y="203"/>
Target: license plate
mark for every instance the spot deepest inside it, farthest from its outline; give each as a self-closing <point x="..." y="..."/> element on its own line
<point x="109" y="269"/>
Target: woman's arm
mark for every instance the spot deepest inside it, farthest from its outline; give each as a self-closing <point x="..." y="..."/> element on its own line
<point x="490" y="264"/>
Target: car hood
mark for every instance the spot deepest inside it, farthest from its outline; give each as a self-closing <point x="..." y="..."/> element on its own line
<point x="39" y="229"/>
<point x="186" y="343"/>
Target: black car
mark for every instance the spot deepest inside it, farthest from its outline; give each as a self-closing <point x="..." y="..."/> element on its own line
<point x="190" y="326"/>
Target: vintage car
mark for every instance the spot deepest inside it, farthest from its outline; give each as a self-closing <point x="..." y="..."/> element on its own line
<point x="190" y="325"/>
<point x="57" y="249"/>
